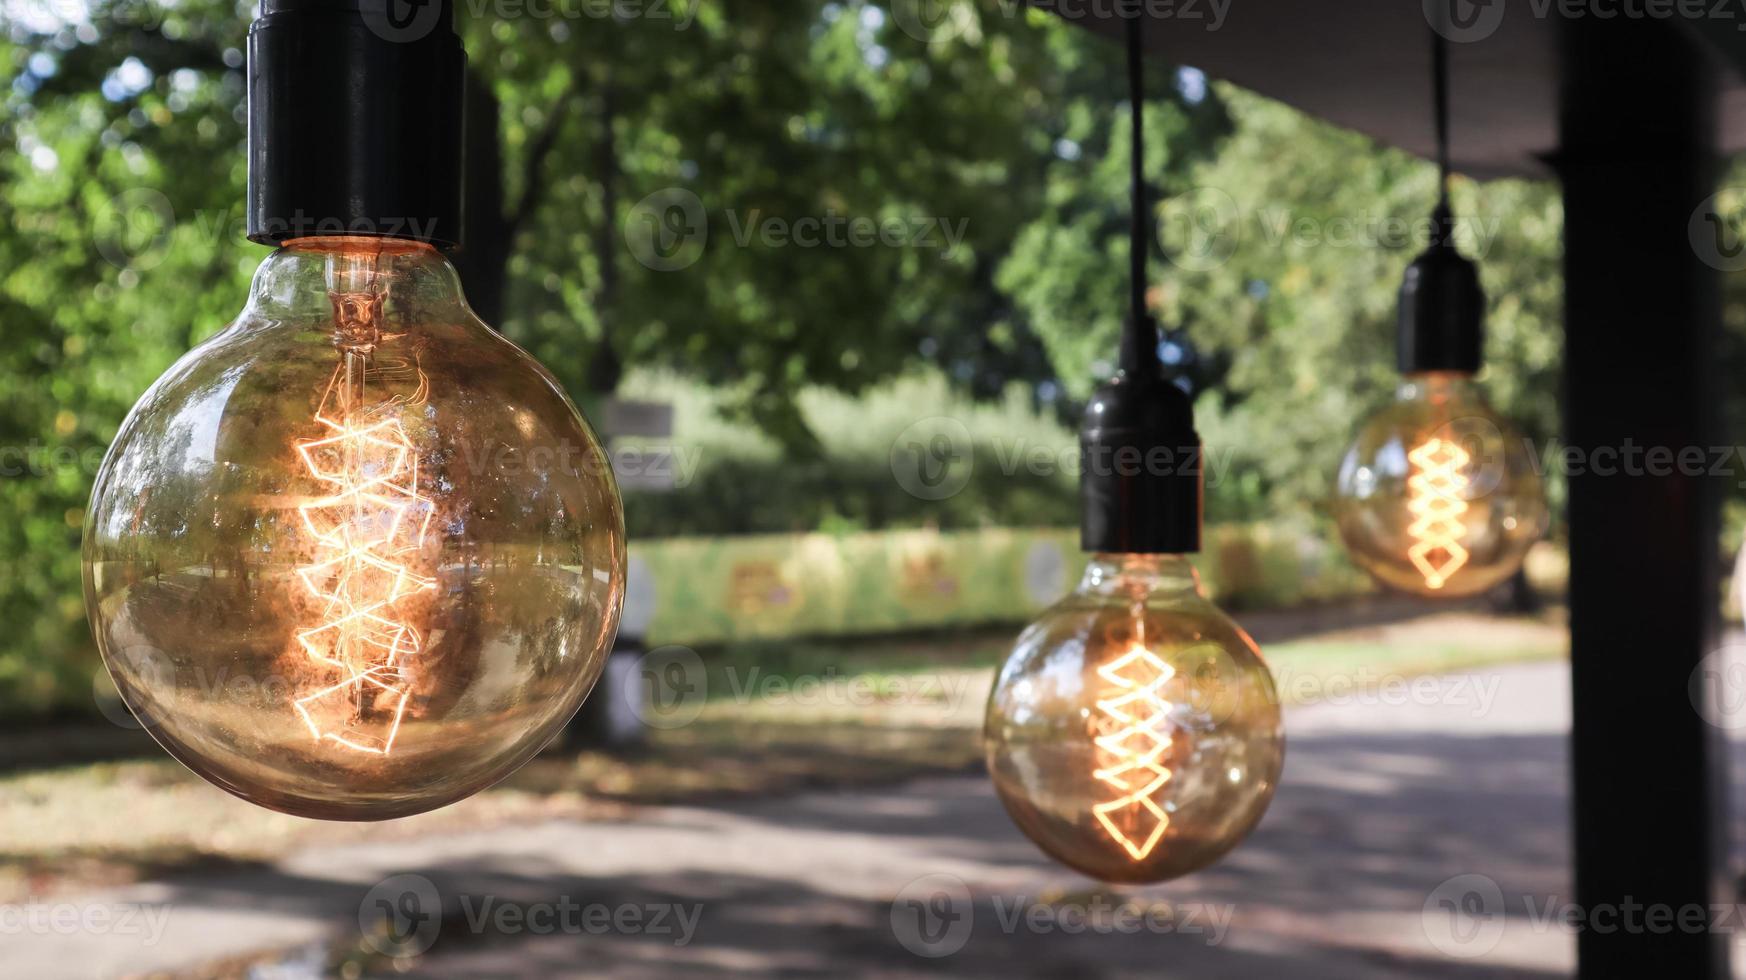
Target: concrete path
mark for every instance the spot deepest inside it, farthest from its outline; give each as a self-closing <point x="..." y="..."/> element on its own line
<point x="1419" y="832"/>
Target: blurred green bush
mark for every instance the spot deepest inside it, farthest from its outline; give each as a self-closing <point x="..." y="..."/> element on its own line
<point x="710" y="590"/>
<point x="1006" y="463"/>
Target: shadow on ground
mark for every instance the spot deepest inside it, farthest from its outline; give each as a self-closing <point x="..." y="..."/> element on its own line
<point x="1335" y="883"/>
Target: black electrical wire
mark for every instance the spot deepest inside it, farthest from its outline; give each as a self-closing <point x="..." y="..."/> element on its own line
<point x="1440" y="92"/>
<point x="1139" y="337"/>
<point x="1443" y="218"/>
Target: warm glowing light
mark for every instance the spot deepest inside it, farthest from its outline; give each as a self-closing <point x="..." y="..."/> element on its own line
<point x="1134" y="734"/>
<point x="1416" y="510"/>
<point x="1434" y="499"/>
<point x="365" y="530"/>
<point x="1133" y="746"/>
<point x="400" y="610"/>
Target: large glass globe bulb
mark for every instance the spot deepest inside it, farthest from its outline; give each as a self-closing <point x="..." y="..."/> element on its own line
<point x="357" y="556"/>
<point x="1438" y="495"/>
<point x="1134" y="733"/>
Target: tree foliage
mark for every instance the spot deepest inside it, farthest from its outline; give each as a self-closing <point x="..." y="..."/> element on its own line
<point x="1286" y="257"/>
<point x="122" y="235"/>
<point x="638" y="186"/>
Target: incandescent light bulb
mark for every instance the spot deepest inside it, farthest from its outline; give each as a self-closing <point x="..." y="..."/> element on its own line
<point x="357" y="556"/>
<point x="1134" y="734"/>
<point x="1438" y="495"/>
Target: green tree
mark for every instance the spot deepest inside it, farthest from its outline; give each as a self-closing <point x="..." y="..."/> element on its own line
<point x="121" y="229"/>
<point x="1284" y="254"/>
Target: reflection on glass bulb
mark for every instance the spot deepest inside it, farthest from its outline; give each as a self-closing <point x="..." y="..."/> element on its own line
<point x="357" y="556"/>
<point x="1438" y="495"/>
<point x="1134" y="734"/>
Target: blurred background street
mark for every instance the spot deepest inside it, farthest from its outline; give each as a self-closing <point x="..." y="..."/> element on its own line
<point x="810" y="838"/>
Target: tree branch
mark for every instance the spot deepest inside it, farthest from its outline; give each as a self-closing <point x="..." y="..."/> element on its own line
<point x="533" y="184"/>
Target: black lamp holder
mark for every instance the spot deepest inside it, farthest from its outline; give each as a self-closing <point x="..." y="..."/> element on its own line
<point x="1141" y="460"/>
<point x="355" y="120"/>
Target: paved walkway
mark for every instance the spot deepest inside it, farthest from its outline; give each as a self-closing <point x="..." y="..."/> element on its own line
<point x="1382" y="804"/>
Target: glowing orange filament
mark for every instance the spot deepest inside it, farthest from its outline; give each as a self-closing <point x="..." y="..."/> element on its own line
<point x="1134" y="743"/>
<point x="371" y="520"/>
<point x="1434" y="499"/>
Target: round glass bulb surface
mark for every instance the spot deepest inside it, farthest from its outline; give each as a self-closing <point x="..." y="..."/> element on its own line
<point x="1438" y="494"/>
<point x="1134" y="734"/>
<point x="357" y="556"/>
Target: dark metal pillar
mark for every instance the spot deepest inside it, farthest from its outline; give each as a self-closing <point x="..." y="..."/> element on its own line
<point x="1641" y="329"/>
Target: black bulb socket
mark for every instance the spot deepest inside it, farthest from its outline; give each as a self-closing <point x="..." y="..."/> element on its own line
<point x="355" y="120"/>
<point x="1442" y="313"/>
<point x="1141" y="467"/>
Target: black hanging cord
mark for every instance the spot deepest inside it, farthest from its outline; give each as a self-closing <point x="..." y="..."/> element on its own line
<point x="1139" y="337"/>
<point x="1123" y="509"/>
<point x="1442" y="307"/>
<point x="1146" y="510"/>
<point x="1443" y="218"/>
